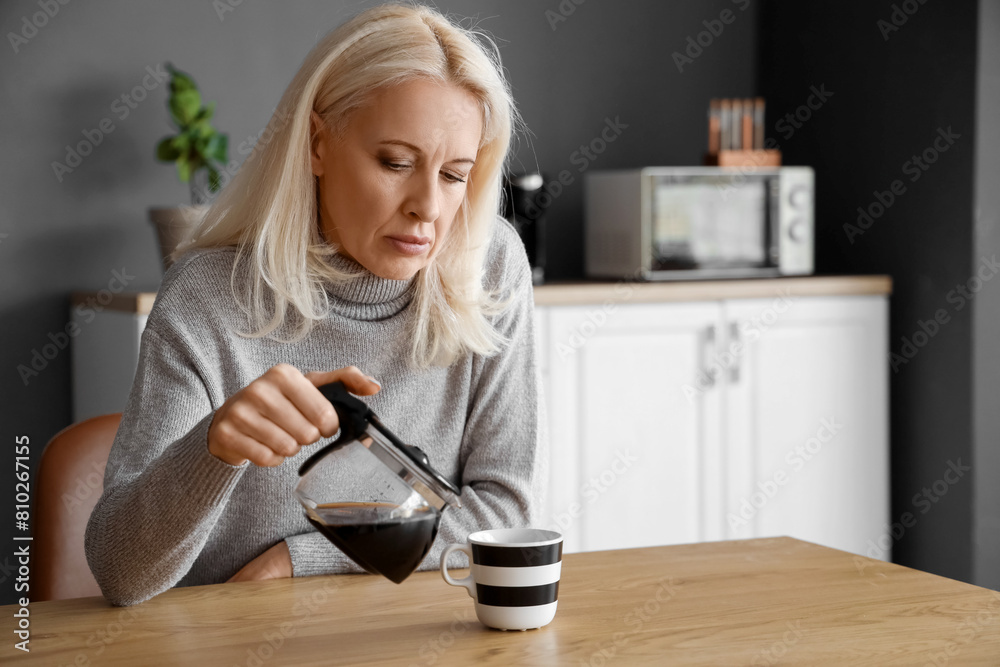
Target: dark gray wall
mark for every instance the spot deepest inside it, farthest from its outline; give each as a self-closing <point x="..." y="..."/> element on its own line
<point x="986" y="313"/>
<point x="896" y="81"/>
<point x="606" y="60"/>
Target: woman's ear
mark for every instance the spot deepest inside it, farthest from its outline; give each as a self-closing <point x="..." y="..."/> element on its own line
<point x="317" y="143"/>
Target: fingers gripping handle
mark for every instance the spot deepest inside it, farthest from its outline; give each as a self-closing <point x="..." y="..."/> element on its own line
<point x="351" y="411"/>
<point x="353" y="415"/>
<point x="467" y="582"/>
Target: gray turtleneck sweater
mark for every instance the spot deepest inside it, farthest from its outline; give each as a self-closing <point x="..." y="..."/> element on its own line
<point x="173" y="514"/>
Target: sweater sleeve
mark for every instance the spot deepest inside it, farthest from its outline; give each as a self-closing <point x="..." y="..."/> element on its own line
<point x="163" y="490"/>
<point x="313" y="554"/>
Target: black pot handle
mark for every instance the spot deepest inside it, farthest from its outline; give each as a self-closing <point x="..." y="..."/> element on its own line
<point x="353" y="415"/>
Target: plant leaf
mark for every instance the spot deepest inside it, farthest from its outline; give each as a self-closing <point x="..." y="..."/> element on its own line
<point x="206" y="112"/>
<point x="200" y="145"/>
<point x="184" y="106"/>
<point x="180" y="81"/>
<point x="181" y="142"/>
<point x="203" y="128"/>
<point x="217" y="148"/>
<point x="166" y="151"/>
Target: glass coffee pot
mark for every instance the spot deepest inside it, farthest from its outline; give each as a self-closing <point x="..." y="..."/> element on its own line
<point x="377" y="499"/>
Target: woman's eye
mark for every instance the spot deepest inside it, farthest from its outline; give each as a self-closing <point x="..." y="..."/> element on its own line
<point x="452" y="177"/>
<point x="395" y="166"/>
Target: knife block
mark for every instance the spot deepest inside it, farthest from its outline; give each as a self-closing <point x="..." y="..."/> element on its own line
<point x="761" y="158"/>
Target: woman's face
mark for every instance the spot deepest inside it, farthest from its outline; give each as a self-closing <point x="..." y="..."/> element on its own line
<point x="390" y="188"/>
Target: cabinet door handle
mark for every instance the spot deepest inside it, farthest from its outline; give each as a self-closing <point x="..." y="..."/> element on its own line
<point x="734" y="339"/>
<point x="707" y="350"/>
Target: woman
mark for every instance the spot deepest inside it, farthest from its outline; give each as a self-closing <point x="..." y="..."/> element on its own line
<point x="361" y="235"/>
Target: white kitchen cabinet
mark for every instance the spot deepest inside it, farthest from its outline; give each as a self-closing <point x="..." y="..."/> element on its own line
<point x="615" y="401"/>
<point x="743" y="418"/>
<point x="807" y="420"/>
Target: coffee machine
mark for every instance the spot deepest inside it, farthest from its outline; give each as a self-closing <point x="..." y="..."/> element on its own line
<point x="522" y="209"/>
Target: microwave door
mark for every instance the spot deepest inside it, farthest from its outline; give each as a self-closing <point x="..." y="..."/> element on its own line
<point x="707" y="212"/>
<point x="741" y="226"/>
<point x="674" y="218"/>
<point x="710" y="226"/>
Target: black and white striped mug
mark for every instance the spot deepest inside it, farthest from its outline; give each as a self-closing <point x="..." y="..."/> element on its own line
<point x="514" y="576"/>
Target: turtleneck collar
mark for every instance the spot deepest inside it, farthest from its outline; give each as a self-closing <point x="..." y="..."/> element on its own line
<point x="367" y="296"/>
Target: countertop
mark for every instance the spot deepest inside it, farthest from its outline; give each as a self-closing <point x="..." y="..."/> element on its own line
<point x="579" y="293"/>
<point x="750" y="602"/>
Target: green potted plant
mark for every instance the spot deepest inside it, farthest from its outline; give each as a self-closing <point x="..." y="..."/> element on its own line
<point x="197" y="150"/>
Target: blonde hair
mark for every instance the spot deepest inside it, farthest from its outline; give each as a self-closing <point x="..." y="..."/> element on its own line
<point x="269" y="210"/>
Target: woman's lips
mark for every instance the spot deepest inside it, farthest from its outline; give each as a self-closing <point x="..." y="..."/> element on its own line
<point x="410" y="245"/>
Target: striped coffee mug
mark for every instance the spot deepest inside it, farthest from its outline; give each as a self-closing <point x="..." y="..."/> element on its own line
<point x="514" y="577"/>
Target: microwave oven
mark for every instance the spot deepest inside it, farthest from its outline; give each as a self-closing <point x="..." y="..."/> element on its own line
<point x="688" y="223"/>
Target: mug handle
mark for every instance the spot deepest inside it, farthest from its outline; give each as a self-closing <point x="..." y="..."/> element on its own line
<point x="466" y="582"/>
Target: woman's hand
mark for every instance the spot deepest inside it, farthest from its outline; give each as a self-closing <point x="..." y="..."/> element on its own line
<point x="275" y="415"/>
<point x="275" y="563"/>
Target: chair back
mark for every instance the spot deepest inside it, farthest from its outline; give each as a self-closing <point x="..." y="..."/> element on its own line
<point x="70" y="480"/>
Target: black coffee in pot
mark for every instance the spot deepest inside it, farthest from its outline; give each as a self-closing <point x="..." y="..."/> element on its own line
<point x="380" y="537"/>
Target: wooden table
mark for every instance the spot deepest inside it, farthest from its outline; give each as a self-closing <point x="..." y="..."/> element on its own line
<point x="749" y="602"/>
